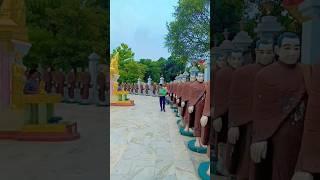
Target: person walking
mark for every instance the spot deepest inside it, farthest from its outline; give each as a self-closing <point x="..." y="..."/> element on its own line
<point x="162" y="97"/>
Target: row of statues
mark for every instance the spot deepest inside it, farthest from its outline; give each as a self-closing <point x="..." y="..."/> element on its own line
<point x="143" y="88"/>
<point x="75" y="85"/>
<point x="258" y="119"/>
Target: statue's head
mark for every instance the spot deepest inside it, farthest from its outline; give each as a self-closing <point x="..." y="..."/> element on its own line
<point x="200" y="77"/>
<point x="288" y="48"/>
<point x="236" y="58"/>
<point x="265" y="52"/>
<point x="192" y="78"/>
<point x="221" y="60"/>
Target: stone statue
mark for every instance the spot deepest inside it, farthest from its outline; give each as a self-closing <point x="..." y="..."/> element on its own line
<point x="101" y="82"/>
<point x="47" y="78"/>
<point x="71" y="85"/>
<point x="240" y="109"/>
<point x="278" y="111"/>
<point x="85" y="86"/>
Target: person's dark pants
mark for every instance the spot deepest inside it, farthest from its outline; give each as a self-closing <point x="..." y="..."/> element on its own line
<point x="162" y="103"/>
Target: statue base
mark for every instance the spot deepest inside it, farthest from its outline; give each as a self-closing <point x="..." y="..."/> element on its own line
<point x="47" y="133"/>
<point x="123" y="103"/>
<point x="185" y="133"/>
<point x="202" y="170"/>
<point x="192" y="147"/>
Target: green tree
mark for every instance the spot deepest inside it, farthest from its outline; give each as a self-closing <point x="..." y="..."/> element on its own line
<point x="153" y="69"/>
<point x="65" y="33"/>
<point x="131" y="71"/>
<point x="188" y="35"/>
<point x="125" y="53"/>
<point x="227" y="15"/>
<point x="173" y="66"/>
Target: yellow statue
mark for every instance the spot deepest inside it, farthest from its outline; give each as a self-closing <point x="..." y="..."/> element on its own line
<point x="117" y="96"/>
<point x="114" y="65"/>
<point x="114" y="72"/>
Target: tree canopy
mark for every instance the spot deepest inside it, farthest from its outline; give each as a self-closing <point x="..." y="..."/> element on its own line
<point x="131" y="69"/>
<point x="188" y="35"/>
<point x="64" y="33"/>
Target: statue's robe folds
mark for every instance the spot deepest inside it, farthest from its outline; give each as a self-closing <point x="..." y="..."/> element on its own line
<point x="174" y="88"/>
<point x="221" y="101"/>
<point x="86" y="83"/>
<point x="101" y="81"/>
<point x="309" y="156"/>
<point x="47" y="78"/>
<point x="141" y="88"/>
<point x="132" y="88"/>
<point x="197" y="96"/>
<point x="59" y="79"/>
<point x="154" y="89"/>
<point x="185" y="98"/>
<point x="240" y="110"/>
<point x="136" y="88"/>
<point x="205" y="131"/>
<point x="278" y="117"/>
<point x="71" y="81"/>
<point x="178" y="93"/>
<point x="212" y="136"/>
<point x="147" y="89"/>
<point x="170" y="91"/>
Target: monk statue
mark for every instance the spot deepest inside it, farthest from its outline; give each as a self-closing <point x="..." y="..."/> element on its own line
<point x="220" y="103"/>
<point x="47" y="78"/>
<point x="136" y="88"/>
<point x="85" y="86"/>
<point x="71" y="84"/>
<point x="78" y="84"/>
<point x="154" y="89"/>
<point x="196" y="104"/>
<point x="141" y="88"/>
<point x="308" y="166"/>
<point x="101" y="82"/>
<point x="179" y="90"/>
<point x="278" y="112"/>
<point x="146" y="89"/>
<point x="185" y="97"/>
<point x="206" y="120"/>
<point x="205" y="126"/>
<point x="240" y="109"/>
<point x="59" y="79"/>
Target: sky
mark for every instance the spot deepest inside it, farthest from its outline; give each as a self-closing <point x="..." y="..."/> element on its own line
<point x="142" y="25"/>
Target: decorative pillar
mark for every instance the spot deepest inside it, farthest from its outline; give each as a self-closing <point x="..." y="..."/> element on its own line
<point x="161" y="80"/>
<point x="93" y="69"/>
<point x="310" y="32"/>
<point x="186" y="75"/>
<point x="149" y="85"/>
<point x="139" y="83"/>
<point x="207" y="70"/>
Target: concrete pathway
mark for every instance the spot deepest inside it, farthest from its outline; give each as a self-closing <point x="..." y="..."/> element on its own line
<point x="146" y="144"/>
<point x="82" y="159"/>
